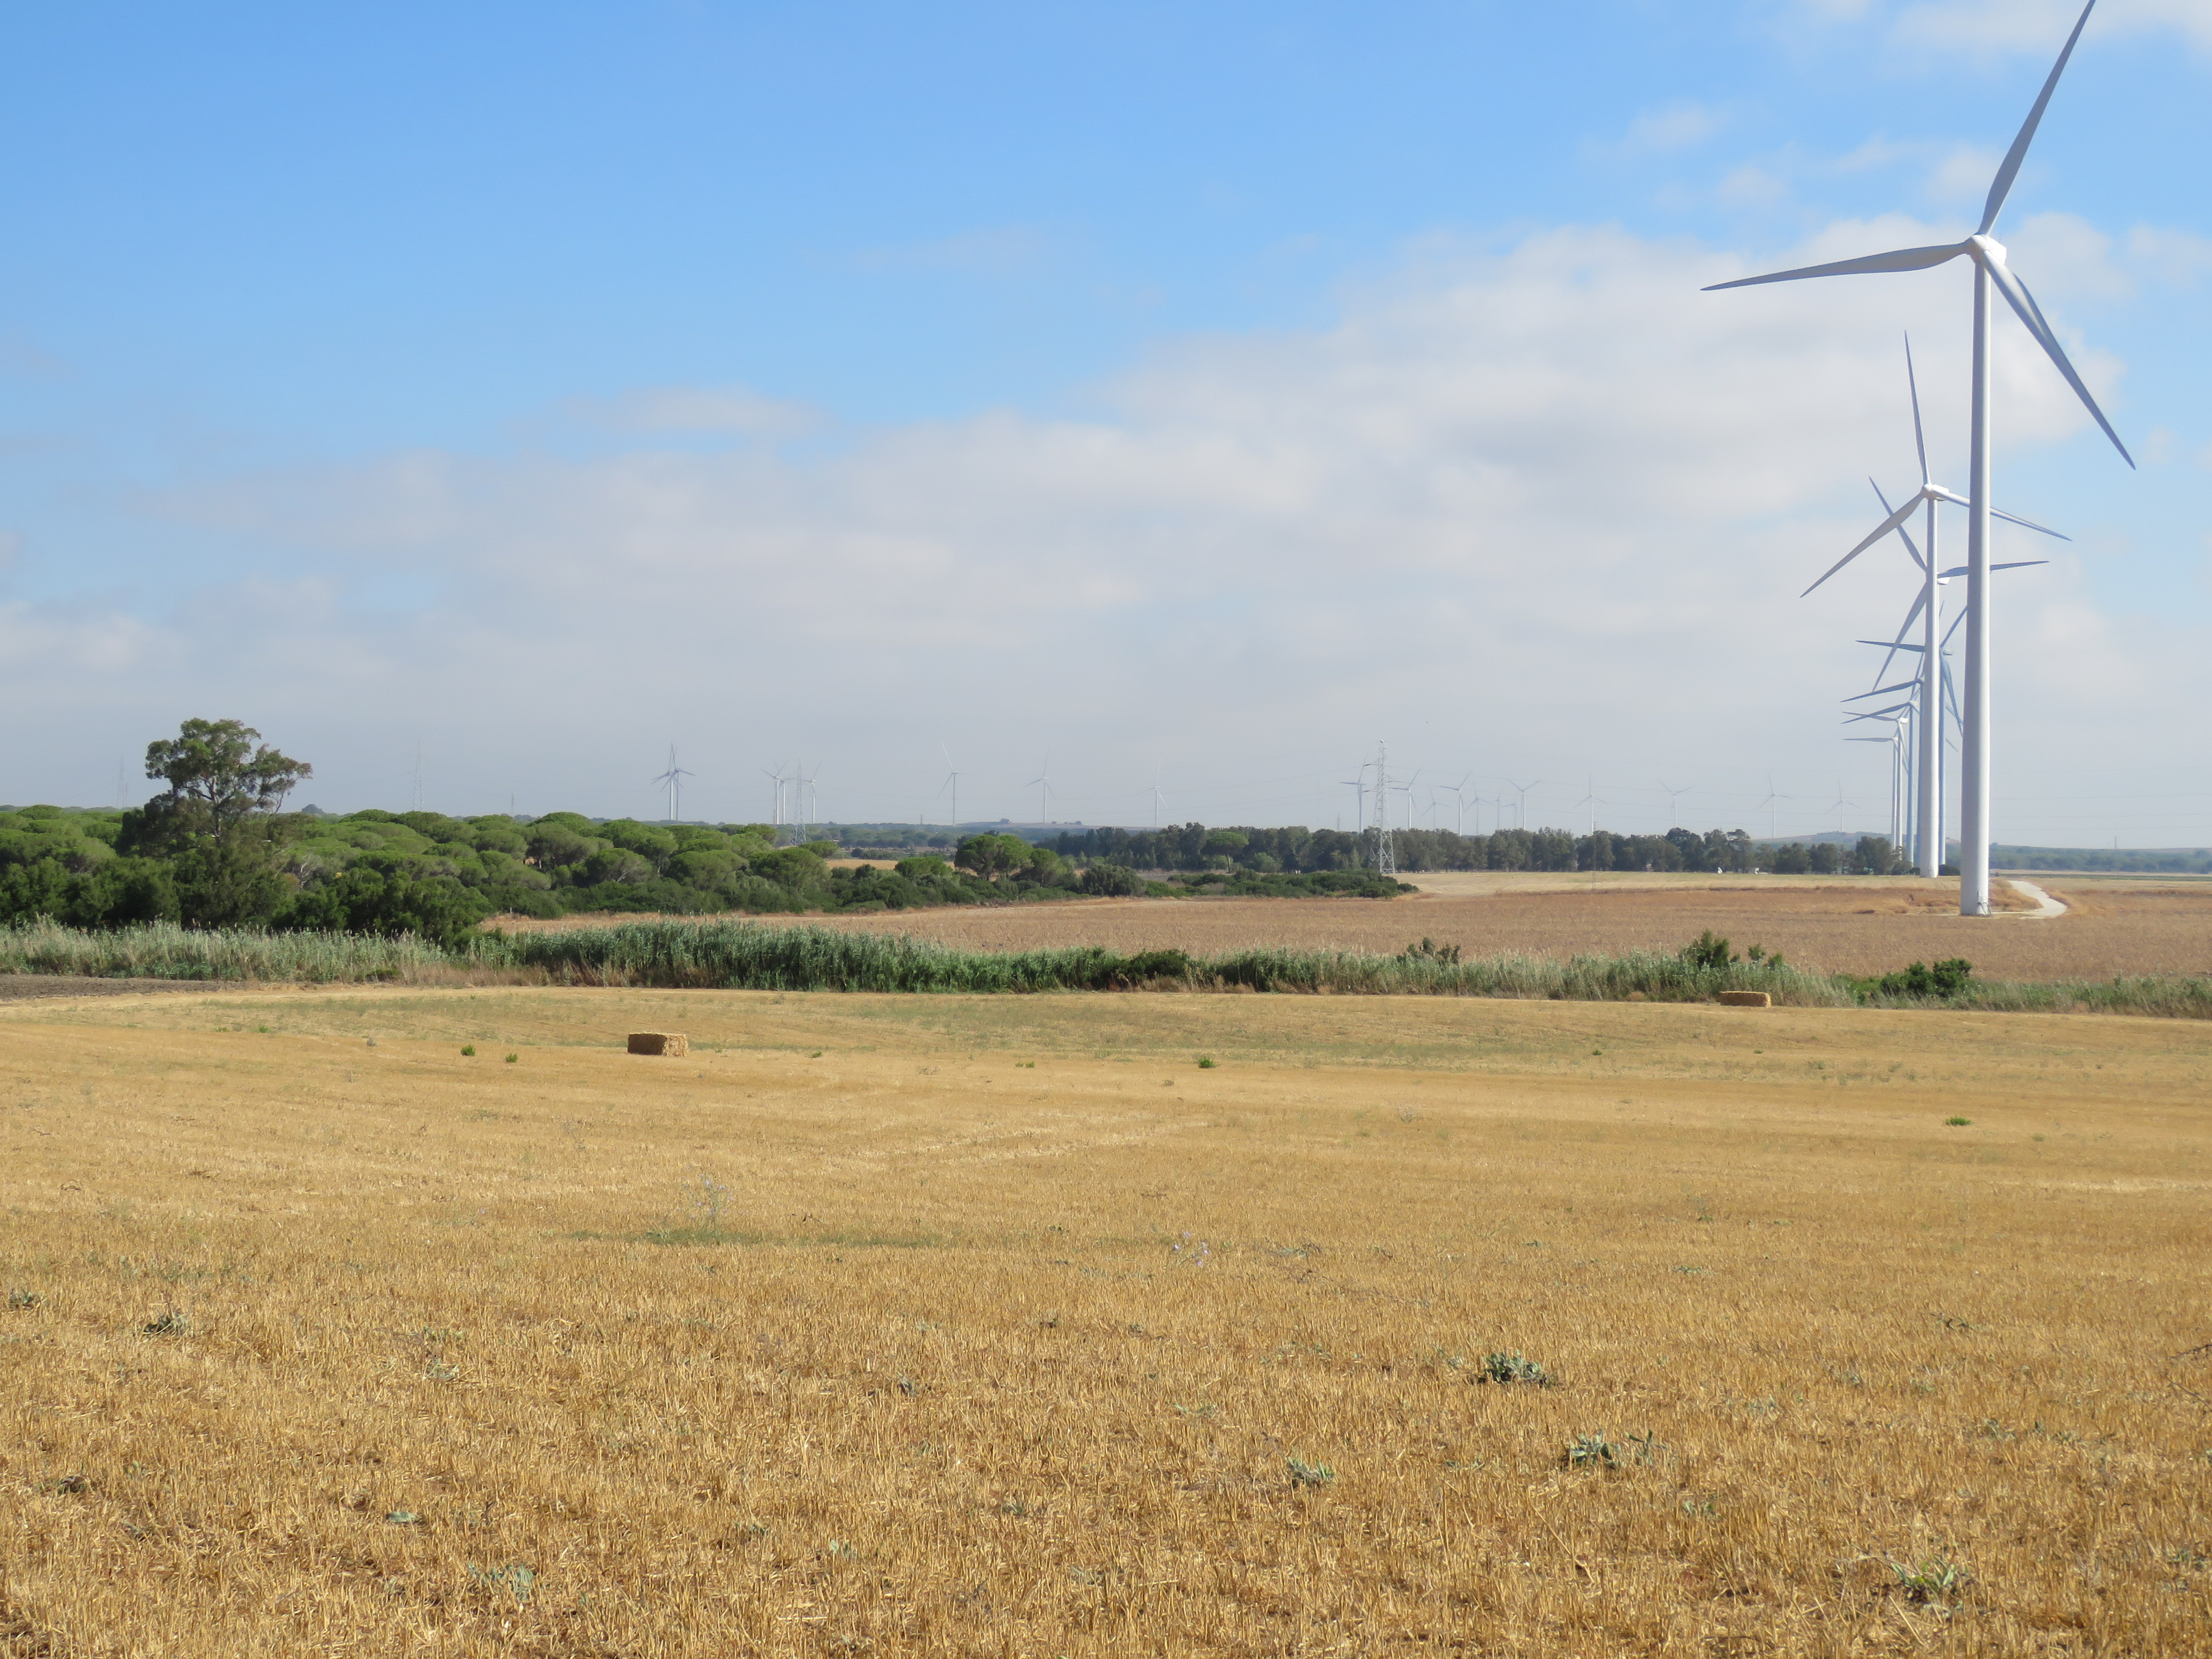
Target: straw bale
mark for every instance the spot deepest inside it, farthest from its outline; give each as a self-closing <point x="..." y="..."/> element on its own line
<point x="1746" y="999"/>
<point x="673" y="1044"/>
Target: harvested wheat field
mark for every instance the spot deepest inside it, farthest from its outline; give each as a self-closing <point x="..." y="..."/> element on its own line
<point x="929" y="1325"/>
<point x="1846" y="924"/>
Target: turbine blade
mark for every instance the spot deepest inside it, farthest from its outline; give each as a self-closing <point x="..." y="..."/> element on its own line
<point x="1919" y="604"/>
<point x="1903" y="259"/>
<point x="1911" y="546"/>
<point x="1902" y="685"/>
<point x="2019" y="565"/>
<point x="2023" y="305"/>
<point x="1919" y="439"/>
<point x="2009" y="170"/>
<point x="2027" y="524"/>
<point x="1887" y="525"/>
<point x="1893" y="645"/>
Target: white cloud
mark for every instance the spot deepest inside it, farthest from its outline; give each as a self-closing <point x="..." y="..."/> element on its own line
<point x="1661" y="131"/>
<point x="1550" y="506"/>
<point x="2065" y="256"/>
<point x="2177" y="259"/>
<point x="2041" y="26"/>
<point x="693" y="408"/>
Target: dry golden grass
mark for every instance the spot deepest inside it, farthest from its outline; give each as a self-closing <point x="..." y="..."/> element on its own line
<point x="1858" y="926"/>
<point x="1020" y="1317"/>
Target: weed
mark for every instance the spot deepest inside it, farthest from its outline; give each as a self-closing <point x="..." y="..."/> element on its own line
<point x="515" y="1578"/>
<point x="1429" y="951"/>
<point x="1958" y="1122"/>
<point x="1937" y="1580"/>
<point x="514" y="1059"/>
<point x="1590" y="1451"/>
<point x="1304" y="1474"/>
<point x="1206" y="1062"/>
<point x="170" y="1322"/>
<point x="20" y="1299"/>
<point x="404" y="1518"/>
<point x="468" y="1050"/>
<point x="1503" y="1368"/>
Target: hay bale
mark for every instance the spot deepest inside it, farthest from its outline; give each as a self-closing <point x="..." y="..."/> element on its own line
<point x="1746" y="999"/>
<point x="1636" y="996"/>
<point x="669" y="1043"/>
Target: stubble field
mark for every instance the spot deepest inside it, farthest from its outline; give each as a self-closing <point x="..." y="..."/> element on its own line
<point x="1856" y="925"/>
<point x="999" y="1326"/>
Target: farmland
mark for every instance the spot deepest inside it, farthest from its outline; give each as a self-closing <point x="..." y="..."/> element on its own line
<point x="1847" y="925"/>
<point x="953" y="1324"/>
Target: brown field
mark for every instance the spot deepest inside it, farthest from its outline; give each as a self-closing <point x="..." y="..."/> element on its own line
<point x="996" y="1325"/>
<point x="1859" y="926"/>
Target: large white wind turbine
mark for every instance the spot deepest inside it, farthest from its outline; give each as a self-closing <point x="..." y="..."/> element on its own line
<point x="1989" y="271"/>
<point x="1929" y="608"/>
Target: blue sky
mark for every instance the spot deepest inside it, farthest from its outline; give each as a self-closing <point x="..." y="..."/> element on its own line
<point x="1207" y="389"/>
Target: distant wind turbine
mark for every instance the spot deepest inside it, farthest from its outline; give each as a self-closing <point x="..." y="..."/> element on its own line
<point x="674" y="777"/>
<point x="1991" y="271"/>
<point x="1042" y="785"/>
<point x="1521" y="812"/>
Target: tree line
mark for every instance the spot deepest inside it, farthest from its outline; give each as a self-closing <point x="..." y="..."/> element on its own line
<point x="1193" y="847"/>
<point x="216" y="848"/>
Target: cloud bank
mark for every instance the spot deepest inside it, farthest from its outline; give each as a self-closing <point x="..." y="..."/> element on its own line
<point x="1537" y="508"/>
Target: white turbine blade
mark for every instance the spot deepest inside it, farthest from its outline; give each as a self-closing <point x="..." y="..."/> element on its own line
<point x="2019" y="565"/>
<point x="1919" y="439"/>
<point x="1894" y="645"/>
<point x="1911" y="546"/>
<point x="2002" y="186"/>
<point x="2027" y="524"/>
<point x="1904" y="258"/>
<point x="1902" y="685"/>
<point x="1887" y="525"/>
<point x="2023" y="304"/>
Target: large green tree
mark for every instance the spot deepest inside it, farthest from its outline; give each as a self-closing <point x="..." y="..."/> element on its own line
<point x="218" y="821"/>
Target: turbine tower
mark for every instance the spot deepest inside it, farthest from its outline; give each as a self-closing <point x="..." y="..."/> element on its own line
<point x="674" y="777"/>
<point x="1987" y="256"/>
<point x="1929" y="608"/>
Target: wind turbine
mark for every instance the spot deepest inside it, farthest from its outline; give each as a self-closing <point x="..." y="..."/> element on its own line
<point x="777" y="778"/>
<point x="674" y="777"/>
<point x="1358" y="784"/>
<point x="1521" y="813"/>
<point x="1928" y="607"/>
<point x="1896" y="772"/>
<point x="1590" y="799"/>
<point x="1672" y="795"/>
<point x="1158" y="799"/>
<point x="1987" y="256"/>
<point x="1042" y="785"/>
<point x="952" y="782"/>
<point x="1769" y="805"/>
<point x="802" y="783"/>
